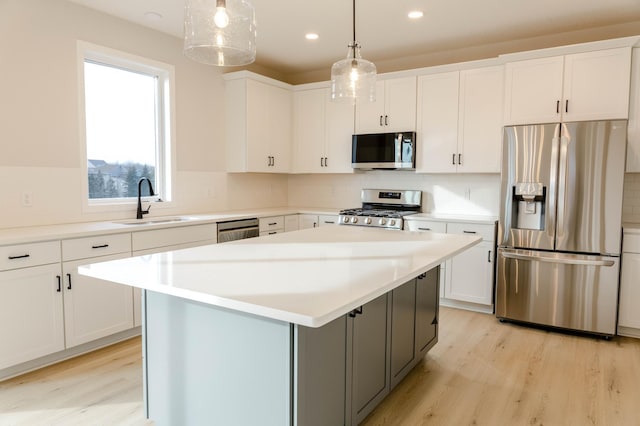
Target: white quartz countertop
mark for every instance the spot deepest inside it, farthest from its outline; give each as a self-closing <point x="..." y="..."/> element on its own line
<point x="631" y="228"/>
<point x="27" y="234"/>
<point x="309" y="277"/>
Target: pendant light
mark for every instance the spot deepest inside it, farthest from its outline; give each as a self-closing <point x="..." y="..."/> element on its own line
<point x="220" y="32"/>
<point x="353" y="78"/>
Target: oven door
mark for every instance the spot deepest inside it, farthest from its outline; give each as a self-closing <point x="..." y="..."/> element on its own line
<point x="570" y="291"/>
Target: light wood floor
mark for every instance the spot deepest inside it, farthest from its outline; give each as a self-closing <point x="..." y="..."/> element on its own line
<point x="481" y="372"/>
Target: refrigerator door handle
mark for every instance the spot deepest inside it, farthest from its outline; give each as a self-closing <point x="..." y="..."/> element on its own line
<point x="565" y="260"/>
<point x="563" y="167"/>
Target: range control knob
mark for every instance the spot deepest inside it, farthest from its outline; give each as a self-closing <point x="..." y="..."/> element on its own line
<point x="345" y="219"/>
<point x="383" y="221"/>
<point x="392" y="222"/>
<point x="354" y="220"/>
<point x="367" y="221"/>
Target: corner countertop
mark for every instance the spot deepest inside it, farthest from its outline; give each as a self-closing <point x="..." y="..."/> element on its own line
<point x="28" y="234"/>
<point x="309" y="277"/>
<point x="631" y="228"/>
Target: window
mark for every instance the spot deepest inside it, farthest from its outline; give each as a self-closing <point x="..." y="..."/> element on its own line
<point x="127" y="118"/>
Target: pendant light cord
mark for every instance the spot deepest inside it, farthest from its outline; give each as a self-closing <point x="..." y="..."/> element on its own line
<point x="354" y="21"/>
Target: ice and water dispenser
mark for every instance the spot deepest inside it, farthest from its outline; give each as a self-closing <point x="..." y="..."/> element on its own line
<point x="528" y="203"/>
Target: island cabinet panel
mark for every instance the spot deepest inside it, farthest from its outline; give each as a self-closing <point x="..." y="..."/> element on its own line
<point x="320" y="374"/>
<point x="206" y="365"/>
<point x="369" y="346"/>
<point x="403" y="317"/>
<point x="427" y="310"/>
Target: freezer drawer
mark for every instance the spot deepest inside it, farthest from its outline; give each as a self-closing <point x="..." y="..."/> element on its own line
<point x="570" y="291"/>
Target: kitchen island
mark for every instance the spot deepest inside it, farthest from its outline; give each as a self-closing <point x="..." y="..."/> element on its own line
<point x="309" y="327"/>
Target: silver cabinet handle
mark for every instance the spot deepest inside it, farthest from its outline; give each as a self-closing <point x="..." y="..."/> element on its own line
<point x="567" y="260"/>
<point x="381" y="121"/>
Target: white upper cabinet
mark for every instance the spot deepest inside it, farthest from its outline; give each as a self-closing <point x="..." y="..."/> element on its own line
<point x="258" y="117"/>
<point x="322" y="133"/>
<point x="394" y="109"/>
<point x="577" y="87"/>
<point x="459" y="121"/>
<point x="633" y="141"/>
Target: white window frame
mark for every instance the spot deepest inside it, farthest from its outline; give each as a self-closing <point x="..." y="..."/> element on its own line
<point x="165" y="149"/>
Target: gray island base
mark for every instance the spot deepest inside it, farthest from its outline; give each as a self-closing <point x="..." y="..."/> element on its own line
<point x="305" y="328"/>
<point x="207" y="365"/>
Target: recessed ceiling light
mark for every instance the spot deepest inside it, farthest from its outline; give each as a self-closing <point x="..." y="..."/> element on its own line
<point x="153" y="16"/>
<point x="311" y="36"/>
<point x="415" y="14"/>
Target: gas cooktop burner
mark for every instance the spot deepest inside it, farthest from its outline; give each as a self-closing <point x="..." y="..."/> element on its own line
<point x="382" y="208"/>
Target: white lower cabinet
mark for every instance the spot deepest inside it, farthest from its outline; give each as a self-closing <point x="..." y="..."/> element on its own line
<point x="291" y="222"/>
<point x="466" y="280"/>
<point x="94" y="308"/>
<point x="629" y="311"/>
<point x="31" y="317"/>
<point x="313" y="221"/>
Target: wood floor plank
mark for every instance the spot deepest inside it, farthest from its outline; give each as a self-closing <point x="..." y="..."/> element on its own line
<point x="481" y="372"/>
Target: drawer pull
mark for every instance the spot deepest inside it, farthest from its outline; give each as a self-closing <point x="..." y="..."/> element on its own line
<point x="100" y="246"/>
<point x="469" y="232"/>
<point x="22" y="256"/>
<point x="272" y="233"/>
<point x="273" y="224"/>
<point x="424" y="229"/>
<point x="329" y="221"/>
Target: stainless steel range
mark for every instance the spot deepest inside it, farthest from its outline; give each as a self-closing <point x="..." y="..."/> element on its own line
<point x="383" y="208"/>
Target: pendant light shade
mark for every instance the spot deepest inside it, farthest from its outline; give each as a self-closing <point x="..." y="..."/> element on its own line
<point x="220" y="32"/>
<point x="353" y="78"/>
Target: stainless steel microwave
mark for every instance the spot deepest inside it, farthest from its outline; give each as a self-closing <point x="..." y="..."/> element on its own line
<point x="384" y="151"/>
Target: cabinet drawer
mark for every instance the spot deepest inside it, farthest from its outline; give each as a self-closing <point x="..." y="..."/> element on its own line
<point x="145" y="240"/>
<point x="327" y="219"/>
<point x="100" y="245"/>
<point x="25" y="255"/>
<point x="272" y="232"/>
<point x="631" y="243"/>
<point x="485" y="231"/>
<point x="426" y="225"/>
<point x="271" y="223"/>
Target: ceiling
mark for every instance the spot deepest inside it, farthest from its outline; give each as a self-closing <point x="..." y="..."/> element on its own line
<point x="382" y="27"/>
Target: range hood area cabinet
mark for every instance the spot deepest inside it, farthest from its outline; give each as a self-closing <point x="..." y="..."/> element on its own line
<point x="394" y="109"/>
<point x="258" y="119"/>
<point x="322" y="132"/>
<point x="578" y="87"/>
<point x="459" y="121"/>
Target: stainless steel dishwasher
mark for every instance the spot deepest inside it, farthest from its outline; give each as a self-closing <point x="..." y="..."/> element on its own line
<point x="237" y="230"/>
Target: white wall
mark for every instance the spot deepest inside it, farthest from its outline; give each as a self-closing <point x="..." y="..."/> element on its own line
<point x="40" y="149"/>
<point x="476" y="194"/>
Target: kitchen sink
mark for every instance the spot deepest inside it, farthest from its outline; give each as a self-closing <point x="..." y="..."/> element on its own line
<point x="155" y="220"/>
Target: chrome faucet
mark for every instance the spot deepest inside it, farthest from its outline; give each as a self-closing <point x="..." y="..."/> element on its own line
<point x="141" y="212"/>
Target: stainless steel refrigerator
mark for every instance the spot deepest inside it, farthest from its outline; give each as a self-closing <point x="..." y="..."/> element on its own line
<point x="559" y="233"/>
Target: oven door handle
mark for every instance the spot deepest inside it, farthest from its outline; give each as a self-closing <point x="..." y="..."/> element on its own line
<point x="563" y="259"/>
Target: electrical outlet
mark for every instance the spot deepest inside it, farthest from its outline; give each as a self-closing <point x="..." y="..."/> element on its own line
<point x="27" y="199"/>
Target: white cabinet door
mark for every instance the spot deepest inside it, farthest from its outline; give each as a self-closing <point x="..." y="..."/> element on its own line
<point x="370" y="115"/>
<point x="400" y="104"/>
<point x="279" y="133"/>
<point x="258" y="117"/>
<point x="480" y="120"/>
<point x="470" y="275"/>
<point x="596" y="85"/>
<point x="394" y="109"/>
<point x="31" y="314"/>
<point x="437" y="122"/>
<point x="578" y="87"/>
<point x="633" y="135"/>
<point x="309" y="131"/>
<point x="322" y="133"/>
<point x="533" y="91"/>
<point x="339" y="122"/>
<point x="308" y="221"/>
<point x="291" y="222"/>
<point x="629" y="315"/>
<point x="94" y="308"/>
